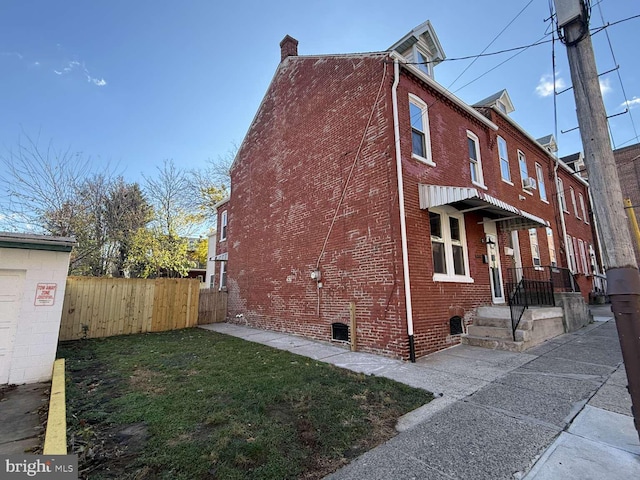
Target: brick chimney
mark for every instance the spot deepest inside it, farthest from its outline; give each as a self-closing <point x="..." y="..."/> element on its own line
<point x="288" y="47"/>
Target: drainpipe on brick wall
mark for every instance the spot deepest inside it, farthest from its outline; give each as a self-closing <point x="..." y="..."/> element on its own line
<point x="403" y="223"/>
<point x="561" y="209"/>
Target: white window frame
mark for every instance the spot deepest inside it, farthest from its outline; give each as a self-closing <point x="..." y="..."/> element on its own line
<point x="535" y="248"/>
<point x="424" y="112"/>
<point x="572" y="193"/>
<point x="585" y="215"/>
<point x="224" y="222"/>
<point x="504" y="160"/>
<point x="542" y="188"/>
<point x="553" y="259"/>
<point x="522" y="160"/>
<point x="423" y="67"/>
<point x="445" y="213"/>
<point x="583" y="257"/>
<point x="561" y="196"/>
<point x="572" y="256"/>
<point x="223" y="275"/>
<point x="477" y="163"/>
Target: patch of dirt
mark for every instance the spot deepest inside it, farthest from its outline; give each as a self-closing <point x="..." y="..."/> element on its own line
<point x="4" y="389"/>
<point x="145" y="380"/>
<point x="110" y="451"/>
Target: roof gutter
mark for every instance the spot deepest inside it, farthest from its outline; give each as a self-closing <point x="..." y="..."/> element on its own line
<point x="403" y="223"/>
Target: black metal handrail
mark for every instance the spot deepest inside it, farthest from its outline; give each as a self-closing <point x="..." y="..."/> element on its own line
<point x="532" y="286"/>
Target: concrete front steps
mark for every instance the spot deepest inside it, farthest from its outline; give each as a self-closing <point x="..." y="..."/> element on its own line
<point x="492" y="328"/>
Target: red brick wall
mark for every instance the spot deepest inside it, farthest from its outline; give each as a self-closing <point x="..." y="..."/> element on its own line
<point x="628" y="163"/>
<point x="291" y="172"/>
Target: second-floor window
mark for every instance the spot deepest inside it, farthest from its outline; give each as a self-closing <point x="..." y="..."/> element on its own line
<point x="573" y="201"/>
<point x="420" y="138"/>
<point x="223" y="226"/>
<point x="561" y="197"/>
<point x="541" y="186"/>
<point x="504" y="160"/>
<point x="475" y="162"/>
<point x="583" y="208"/>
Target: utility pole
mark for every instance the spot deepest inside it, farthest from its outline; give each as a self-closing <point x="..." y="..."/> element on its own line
<point x="623" y="278"/>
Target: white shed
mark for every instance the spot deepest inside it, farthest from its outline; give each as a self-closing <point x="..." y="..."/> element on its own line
<point x="33" y="276"/>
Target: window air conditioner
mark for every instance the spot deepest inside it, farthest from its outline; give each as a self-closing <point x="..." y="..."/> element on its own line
<point x="529" y="183"/>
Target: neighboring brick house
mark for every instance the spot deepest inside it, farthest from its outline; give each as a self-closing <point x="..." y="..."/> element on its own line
<point x="362" y="180"/>
<point x="628" y="163"/>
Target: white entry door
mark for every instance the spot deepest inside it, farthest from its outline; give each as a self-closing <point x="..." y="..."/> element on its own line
<point x="493" y="256"/>
<point x="11" y="285"/>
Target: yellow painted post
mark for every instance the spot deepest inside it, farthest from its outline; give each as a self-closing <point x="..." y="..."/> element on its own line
<point x="631" y="214"/>
<point x="55" y="438"/>
<point x="352" y="327"/>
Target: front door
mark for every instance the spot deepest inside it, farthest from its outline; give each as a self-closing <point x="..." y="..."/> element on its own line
<point x="493" y="256"/>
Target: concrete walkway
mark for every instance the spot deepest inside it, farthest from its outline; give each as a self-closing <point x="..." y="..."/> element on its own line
<point x="19" y="420"/>
<point x="560" y="410"/>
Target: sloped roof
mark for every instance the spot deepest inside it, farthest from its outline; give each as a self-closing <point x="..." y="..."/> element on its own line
<point x="502" y="96"/>
<point x="425" y="34"/>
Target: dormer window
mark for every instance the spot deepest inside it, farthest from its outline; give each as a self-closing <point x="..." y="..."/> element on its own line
<point x="423" y="61"/>
<point x="501" y="106"/>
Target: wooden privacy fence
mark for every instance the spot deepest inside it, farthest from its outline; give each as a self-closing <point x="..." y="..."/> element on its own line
<point x="104" y="307"/>
<point x="212" y="307"/>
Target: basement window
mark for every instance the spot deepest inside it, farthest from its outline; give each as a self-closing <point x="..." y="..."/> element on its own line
<point x="340" y="332"/>
<point x="455" y="325"/>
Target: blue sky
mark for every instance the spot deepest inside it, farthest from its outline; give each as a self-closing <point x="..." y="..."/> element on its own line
<point x="137" y="82"/>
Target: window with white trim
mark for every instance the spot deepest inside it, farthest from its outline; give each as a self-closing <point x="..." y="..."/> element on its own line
<point x="552" y="248"/>
<point x="535" y="248"/>
<point x="583" y="208"/>
<point x="561" y="196"/>
<point x="420" y="136"/>
<point x="223" y="275"/>
<point x="576" y="252"/>
<point x="583" y="257"/>
<point x="572" y="257"/>
<point x="524" y="171"/>
<point x="504" y="160"/>
<point x="223" y="226"/>
<point x="449" y="245"/>
<point x="424" y="61"/>
<point x="541" y="186"/>
<point x="475" y="162"/>
<point x="573" y="201"/>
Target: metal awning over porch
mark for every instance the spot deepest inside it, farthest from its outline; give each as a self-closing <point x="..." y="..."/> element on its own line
<point x="466" y="199"/>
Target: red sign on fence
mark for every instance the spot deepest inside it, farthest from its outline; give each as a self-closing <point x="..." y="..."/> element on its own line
<point x="45" y="294"/>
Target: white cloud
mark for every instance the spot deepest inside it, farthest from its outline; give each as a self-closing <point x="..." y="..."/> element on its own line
<point x="605" y="86"/>
<point x="12" y="54"/>
<point x="545" y="85"/>
<point x="634" y="102"/>
<point x="75" y="65"/>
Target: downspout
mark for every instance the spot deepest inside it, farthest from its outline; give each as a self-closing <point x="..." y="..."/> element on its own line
<point x="403" y="223"/>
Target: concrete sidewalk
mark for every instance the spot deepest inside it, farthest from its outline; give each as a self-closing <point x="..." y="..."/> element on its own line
<point x="20" y="424"/>
<point x="559" y="410"/>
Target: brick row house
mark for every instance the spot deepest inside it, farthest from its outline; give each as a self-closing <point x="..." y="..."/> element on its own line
<point x="363" y="183"/>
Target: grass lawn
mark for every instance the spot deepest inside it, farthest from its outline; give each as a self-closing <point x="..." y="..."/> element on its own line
<point x="195" y="404"/>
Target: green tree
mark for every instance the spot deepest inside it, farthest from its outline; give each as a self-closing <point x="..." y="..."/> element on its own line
<point x="155" y="254"/>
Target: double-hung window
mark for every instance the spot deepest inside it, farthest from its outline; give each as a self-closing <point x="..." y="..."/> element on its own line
<point x="420" y="137"/>
<point x="572" y="255"/>
<point x="524" y="171"/>
<point x="223" y="226"/>
<point x="561" y="196"/>
<point x="423" y="62"/>
<point x="504" y="160"/>
<point x="583" y="257"/>
<point x="475" y="162"/>
<point x="583" y="208"/>
<point x="573" y="201"/>
<point x="223" y="275"/>
<point x="541" y="186"/>
<point x="449" y="245"/>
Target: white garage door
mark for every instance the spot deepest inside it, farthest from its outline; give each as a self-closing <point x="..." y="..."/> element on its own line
<point x="11" y="285"/>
